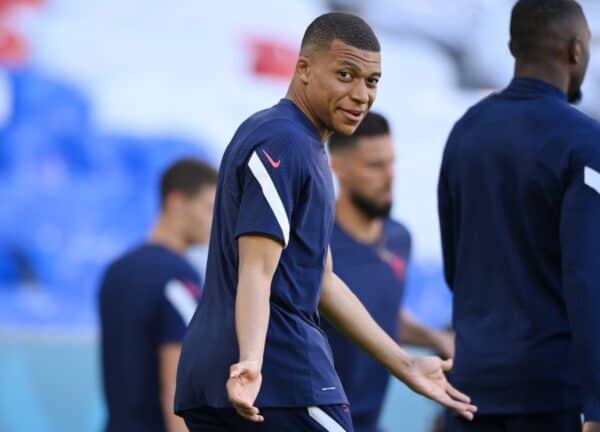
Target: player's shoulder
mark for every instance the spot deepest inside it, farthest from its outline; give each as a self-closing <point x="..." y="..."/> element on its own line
<point x="125" y="260"/>
<point x="155" y="261"/>
<point x="397" y="231"/>
<point x="278" y="121"/>
<point x="275" y="139"/>
<point x="581" y="136"/>
<point x="579" y="124"/>
<point x="474" y="110"/>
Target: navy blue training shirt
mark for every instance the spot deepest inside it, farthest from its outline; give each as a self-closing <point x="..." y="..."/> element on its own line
<point x="147" y="297"/>
<point x="519" y="208"/>
<point x="376" y="273"/>
<point x="274" y="180"/>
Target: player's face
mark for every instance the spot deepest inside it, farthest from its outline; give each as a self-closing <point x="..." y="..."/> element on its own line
<point x="198" y="211"/>
<point x="342" y="85"/>
<point x="368" y="174"/>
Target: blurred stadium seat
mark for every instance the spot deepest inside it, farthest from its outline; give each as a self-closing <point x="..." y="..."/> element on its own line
<point x="77" y="196"/>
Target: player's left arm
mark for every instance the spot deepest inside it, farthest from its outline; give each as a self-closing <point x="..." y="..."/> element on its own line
<point x="168" y="355"/>
<point x="446" y="214"/>
<point x="580" y="253"/>
<point x="413" y="332"/>
<point x="172" y="321"/>
<point x="425" y="375"/>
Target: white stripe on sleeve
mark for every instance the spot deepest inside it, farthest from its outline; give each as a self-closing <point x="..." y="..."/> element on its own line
<point x="324" y="419"/>
<point x="592" y="178"/>
<point x="271" y="195"/>
<point x="181" y="299"/>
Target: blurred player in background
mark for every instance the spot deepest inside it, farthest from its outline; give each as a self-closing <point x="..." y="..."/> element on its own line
<point x="519" y="203"/>
<point x="371" y="253"/>
<point x="255" y="340"/>
<point x="147" y="298"/>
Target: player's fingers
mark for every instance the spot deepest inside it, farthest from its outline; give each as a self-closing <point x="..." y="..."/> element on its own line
<point x="447" y="365"/>
<point x="457" y="395"/>
<point x="243" y="406"/>
<point x="249" y="412"/>
<point x="467" y="414"/>
<point x="255" y="418"/>
<point x="464" y="409"/>
<point x="242" y="412"/>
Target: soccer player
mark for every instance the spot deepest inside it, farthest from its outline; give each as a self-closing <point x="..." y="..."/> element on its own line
<point x="147" y="298"/>
<point x="519" y="205"/>
<point x="371" y="252"/>
<point x="255" y="340"/>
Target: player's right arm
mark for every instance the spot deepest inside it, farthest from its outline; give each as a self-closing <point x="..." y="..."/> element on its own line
<point x="580" y="252"/>
<point x="270" y="184"/>
<point x="258" y="259"/>
<point x="412" y="332"/>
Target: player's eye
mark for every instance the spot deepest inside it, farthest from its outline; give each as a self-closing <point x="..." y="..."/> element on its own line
<point x="373" y="81"/>
<point x="345" y="75"/>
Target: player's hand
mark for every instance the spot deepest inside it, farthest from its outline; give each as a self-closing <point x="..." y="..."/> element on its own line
<point x="426" y="376"/>
<point x="591" y="427"/>
<point x="243" y="386"/>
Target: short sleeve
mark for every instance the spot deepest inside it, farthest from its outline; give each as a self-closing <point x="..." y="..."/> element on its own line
<point x="177" y="306"/>
<point x="272" y="178"/>
<point x="580" y="250"/>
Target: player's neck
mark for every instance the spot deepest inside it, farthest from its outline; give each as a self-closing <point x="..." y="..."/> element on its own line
<point x="354" y="222"/>
<point x="166" y="234"/>
<point x="549" y="73"/>
<point x="300" y="100"/>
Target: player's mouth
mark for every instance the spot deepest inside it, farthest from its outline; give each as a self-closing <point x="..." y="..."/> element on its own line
<point x="355" y="116"/>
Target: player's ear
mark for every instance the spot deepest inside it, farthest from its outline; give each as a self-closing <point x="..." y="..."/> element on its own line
<point x="511" y="48"/>
<point x="174" y="201"/>
<point x="303" y="69"/>
<point x="575" y="51"/>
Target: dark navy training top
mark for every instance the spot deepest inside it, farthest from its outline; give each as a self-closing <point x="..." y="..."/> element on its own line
<point x="274" y="180"/>
<point x="376" y="273"/>
<point x="147" y="297"/>
<point x="519" y="208"/>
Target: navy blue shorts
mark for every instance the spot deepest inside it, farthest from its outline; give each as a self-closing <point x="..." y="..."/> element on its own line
<point x="562" y="421"/>
<point x="329" y="418"/>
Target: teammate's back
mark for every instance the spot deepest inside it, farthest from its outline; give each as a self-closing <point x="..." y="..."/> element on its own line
<point x="507" y="165"/>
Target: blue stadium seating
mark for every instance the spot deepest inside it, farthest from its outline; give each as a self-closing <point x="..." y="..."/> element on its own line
<point x="73" y="198"/>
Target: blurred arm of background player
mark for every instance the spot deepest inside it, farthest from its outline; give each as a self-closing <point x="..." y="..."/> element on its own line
<point x="424" y="375"/>
<point x="168" y="357"/>
<point x="412" y="332"/>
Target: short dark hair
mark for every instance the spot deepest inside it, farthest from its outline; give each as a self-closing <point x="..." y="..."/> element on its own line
<point x="188" y="176"/>
<point x="348" y="28"/>
<point x="535" y="24"/>
<point x="373" y="124"/>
